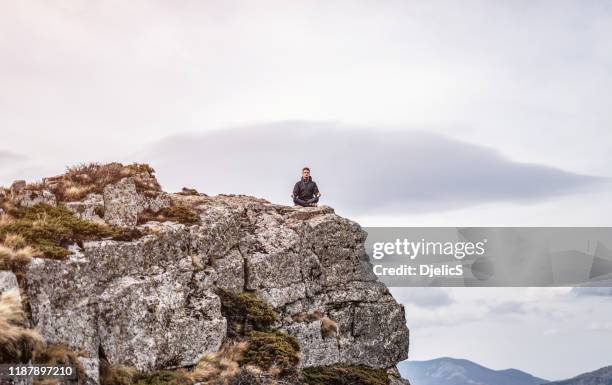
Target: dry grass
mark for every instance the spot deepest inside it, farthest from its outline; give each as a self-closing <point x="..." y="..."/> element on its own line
<point x="127" y="375"/>
<point x="188" y="192"/>
<point x="308" y="317"/>
<point x="81" y="180"/>
<point x="116" y="374"/>
<point x="56" y="354"/>
<point x="341" y="374"/>
<point x="177" y="212"/>
<point x="16" y="341"/>
<point x="14" y="254"/>
<point x="221" y="367"/>
<point x="275" y="352"/>
<point x="329" y="327"/>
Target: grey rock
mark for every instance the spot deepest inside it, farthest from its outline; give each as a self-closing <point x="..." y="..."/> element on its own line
<point x="155" y="323"/>
<point x="88" y="208"/>
<point x="8" y="281"/>
<point x="28" y="197"/>
<point x="315" y="350"/>
<point x="17" y="186"/>
<point x="91" y="366"/>
<point x="121" y="203"/>
<point x="63" y="310"/>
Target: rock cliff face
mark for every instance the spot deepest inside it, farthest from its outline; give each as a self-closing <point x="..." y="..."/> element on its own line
<point x="151" y="302"/>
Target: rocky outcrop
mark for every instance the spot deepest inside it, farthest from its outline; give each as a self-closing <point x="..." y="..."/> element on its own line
<point x="151" y="302"/>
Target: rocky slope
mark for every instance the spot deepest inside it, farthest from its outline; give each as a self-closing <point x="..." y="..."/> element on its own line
<point x="148" y="298"/>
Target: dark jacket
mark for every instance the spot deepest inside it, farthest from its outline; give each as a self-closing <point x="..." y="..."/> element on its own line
<point x="305" y="189"/>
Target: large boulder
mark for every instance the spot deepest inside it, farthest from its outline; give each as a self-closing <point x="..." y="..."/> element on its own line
<point x="151" y="302"/>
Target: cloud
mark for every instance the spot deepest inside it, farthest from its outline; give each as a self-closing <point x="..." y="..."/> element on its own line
<point x="600" y="326"/>
<point x="593" y="291"/>
<point x="507" y="308"/>
<point x="8" y="158"/>
<point x="359" y="169"/>
<point x="428" y="297"/>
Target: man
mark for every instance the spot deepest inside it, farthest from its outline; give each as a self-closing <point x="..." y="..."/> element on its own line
<point x="305" y="192"/>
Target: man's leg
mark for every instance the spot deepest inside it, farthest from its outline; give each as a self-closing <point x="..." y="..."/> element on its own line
<point x="300" y="202"/>
<point x="312" y="201"/>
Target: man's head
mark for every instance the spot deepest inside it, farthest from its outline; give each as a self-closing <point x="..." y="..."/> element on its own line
<point x="305" y="173"/>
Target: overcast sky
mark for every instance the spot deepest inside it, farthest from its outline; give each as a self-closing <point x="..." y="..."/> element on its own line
<point x="410" y="113"/>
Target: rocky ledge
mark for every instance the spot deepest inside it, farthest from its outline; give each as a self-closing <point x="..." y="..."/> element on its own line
<point x="151" y="301"/>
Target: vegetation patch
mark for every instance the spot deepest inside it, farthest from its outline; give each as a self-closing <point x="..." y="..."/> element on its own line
<point x="189" y="192"/>
<point x="177" y="212"/>
<point x="340" y="374"/>
<point x="14" y="257"/>
<point x="116" y="374"/>
<point x="245" y="312"/>
<point x="56" y="354"/>
<point x="222" y="367"/>
<point x="329" y="327"/>
<point x="272" y="350"/>
<point x="48" y="230"/>
<point x="127" y="375"/>
<point x="164" y="377"/>
<point x="79" y="181"/>
<point x="17" y="343"/>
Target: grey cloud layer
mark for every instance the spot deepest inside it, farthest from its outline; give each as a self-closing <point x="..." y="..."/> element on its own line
<point x="593" y="291"/>
<point x="7" y="157"/>
<point x="357" y="169"/>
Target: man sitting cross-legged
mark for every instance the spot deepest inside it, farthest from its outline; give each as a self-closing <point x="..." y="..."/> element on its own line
<point x="305" y="192"/>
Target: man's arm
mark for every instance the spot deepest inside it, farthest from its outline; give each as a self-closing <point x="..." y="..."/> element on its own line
<point x="296" y="190"/>
<point x="316" y="190"/>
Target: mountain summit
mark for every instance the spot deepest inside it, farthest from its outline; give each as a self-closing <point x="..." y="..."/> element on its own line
<point x="105" y="271"/>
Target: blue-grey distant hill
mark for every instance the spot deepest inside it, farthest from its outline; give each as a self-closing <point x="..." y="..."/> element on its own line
<point x="601" y="376"/>
<point x="452" y="371"/>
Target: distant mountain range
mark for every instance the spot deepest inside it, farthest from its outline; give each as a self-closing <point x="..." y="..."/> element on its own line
<point x="601" y="376"/>
<point x="452" y="371"/>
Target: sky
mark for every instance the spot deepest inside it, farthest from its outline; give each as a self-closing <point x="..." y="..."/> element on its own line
<point x="478" y="113"/>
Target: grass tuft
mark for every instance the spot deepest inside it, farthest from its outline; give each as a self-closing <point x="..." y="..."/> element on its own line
<point x="221" y="367"/>
<point x="329" y="327"/>
<point x="273" y="351"/>
<point x="244" y="312"/>
<point x="16" y="341"/>
<point x="127" y="375"/>
<point x="57" y="354"/>
<point x="177" y="212"/>
<point x="341" y="374"/>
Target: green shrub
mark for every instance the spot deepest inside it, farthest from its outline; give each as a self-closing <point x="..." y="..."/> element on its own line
<point x="244" y="312"/>
<point x="163" y="377"/>
<point x="340" y="374"/>
<point x="272" y="349"/>
<point x="50" y="229"/>
<point x="127" y="375"/>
